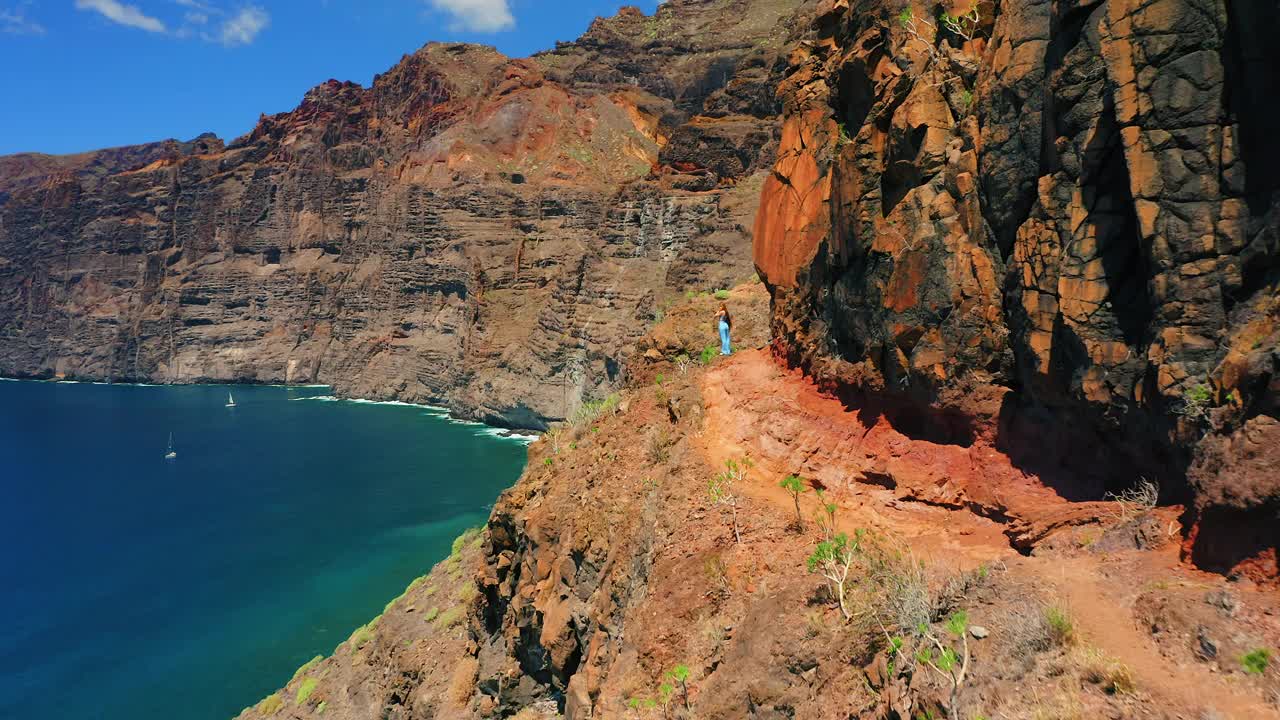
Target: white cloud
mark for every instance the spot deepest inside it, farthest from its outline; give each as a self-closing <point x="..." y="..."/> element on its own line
<point x="477" y="15"/>
<point x="14" y="21"/>
<point x="117" y="12"/>
<point x="244" y="26"/>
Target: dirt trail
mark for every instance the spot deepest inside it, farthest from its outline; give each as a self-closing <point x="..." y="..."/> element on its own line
<point x="927" y="495"/>
<point x="1106" y="621"/>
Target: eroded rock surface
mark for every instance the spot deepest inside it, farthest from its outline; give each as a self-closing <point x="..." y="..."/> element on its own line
<point x="471" y="230"/>
<point x="1052" y="228"/>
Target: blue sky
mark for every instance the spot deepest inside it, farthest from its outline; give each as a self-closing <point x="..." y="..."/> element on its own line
<point x="84" y="74"/>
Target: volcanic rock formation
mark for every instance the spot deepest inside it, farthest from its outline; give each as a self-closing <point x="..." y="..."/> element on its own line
<point x="471" y="230"/>
<point x="609" y="584"/>
<point x="1050" y="226"/>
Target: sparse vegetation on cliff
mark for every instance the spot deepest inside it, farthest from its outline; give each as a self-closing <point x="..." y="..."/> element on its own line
<point x="1196" y="402"/>
<point x="826" y="514"/>
<point x="722" y="489"/>
<point x="1061" y="629"/>
<point x="795" y="487"/>
<point x="953" y="666"/>
<point x="1256" y="661"/>
<point x="593" y="410"/>
<point x="305" y="690"/>
<point x="832" y="559"/>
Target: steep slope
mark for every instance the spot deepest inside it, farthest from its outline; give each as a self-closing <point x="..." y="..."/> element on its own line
<point x="608" y="583"/>
<point x="471" y="230"/>
<point x="1052" y="228"/>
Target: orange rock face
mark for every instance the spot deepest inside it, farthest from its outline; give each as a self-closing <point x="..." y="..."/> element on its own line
<point x="1077" y="207"/>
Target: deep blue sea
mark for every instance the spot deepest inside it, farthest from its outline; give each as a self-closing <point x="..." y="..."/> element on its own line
<point x="135" y="588"/>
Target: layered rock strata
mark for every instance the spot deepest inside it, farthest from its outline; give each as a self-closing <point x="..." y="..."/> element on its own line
<point x="470" y="230"/>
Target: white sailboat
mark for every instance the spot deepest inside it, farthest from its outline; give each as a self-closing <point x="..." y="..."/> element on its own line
<point x="231" y="401"/>
<point x="171" y="454"/>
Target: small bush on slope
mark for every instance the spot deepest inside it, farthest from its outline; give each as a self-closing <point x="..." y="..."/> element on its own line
<point x="795" y="487"/>
<point x="307" y="666"/>
<point x="832" y="559"/>
<point x="1062" y="629"/>
<point x="307" y="687"/>
<point x="1256" y="662"/>
<point x="270" y="705"/>
<point x="721" y="489"/>
<point x="589" y="412"/>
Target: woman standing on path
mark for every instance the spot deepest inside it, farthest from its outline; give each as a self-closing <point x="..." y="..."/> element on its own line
<point x="726" y="324"/>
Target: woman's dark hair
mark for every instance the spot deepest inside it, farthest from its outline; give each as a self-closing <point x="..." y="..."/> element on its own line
<point x="727" y="320"/>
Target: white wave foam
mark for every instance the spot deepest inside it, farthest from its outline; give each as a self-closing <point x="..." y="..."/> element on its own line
<point x="505" y="434"/>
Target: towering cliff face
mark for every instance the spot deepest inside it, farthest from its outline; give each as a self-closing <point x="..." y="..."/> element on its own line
<point x="1051" y="227"/>
<point x="471" y="230"/>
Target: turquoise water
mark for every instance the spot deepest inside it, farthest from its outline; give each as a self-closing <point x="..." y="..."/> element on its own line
<point x="134" y="587"/>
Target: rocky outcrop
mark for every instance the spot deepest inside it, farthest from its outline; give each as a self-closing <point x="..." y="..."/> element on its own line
<point x="1050" y="227"/>
<point x="470" y="230"/>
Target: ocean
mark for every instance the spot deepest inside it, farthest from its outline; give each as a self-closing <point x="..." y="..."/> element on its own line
<point x="138" y="588"/>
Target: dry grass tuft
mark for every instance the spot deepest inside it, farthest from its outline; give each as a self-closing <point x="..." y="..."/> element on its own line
<point x="659" y="450"/>
<point x="1060" y="626"/>
<point x="462" y="684"/>
<point x="1061" y="705"/>
<point x="1101" y="669"/>
<point x="1135" y="501"/>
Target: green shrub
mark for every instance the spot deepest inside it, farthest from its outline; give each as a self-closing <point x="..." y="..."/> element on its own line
<point x="1062" y="630"/>
<point x="307" y="667"/>
<point x="639" y="703"/>
<point x="591" y="411"/>
<point x="679" y="674"/>
<point x="842" y="135"/>
<point x="467" y="537"/>
<point x="1256" y="662"/>
<point x="364" y="633"/>
<point x="1196" y="402"/>
<point x="451" y="617"/>
<point x="722" y="294"/>
<point x="795" y="487"/>
<point x="270" y="705"/>
<point x="307" y="687"/>
<point x="832" y="559"/>
<point x="708" y="354"/>
<point x="466" y="592"/>
<point x="431" y="614"/>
